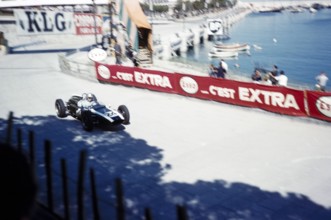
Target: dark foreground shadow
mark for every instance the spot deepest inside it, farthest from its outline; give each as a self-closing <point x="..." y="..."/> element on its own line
<point x="117" y="154"/>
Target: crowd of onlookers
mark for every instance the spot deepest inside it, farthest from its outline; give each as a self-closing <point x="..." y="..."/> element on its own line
<point x="274" y="77"/>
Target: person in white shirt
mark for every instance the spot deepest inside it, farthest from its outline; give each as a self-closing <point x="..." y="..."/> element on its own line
<point x="224" y="66"/>
<point x="282" y="79"/>
<point x="322" y="79"/>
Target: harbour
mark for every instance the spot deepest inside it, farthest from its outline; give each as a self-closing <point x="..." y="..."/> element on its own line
<point x="282" y="38"/>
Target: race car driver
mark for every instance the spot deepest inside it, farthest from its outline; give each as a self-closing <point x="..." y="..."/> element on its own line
<point x="87" y="101"/>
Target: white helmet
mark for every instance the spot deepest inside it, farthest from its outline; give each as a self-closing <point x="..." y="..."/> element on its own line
<point x="90" y="97"/>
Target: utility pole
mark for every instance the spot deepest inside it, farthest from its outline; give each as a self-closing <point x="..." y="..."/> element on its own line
<point x="110" y="8"/>
<point x="151" y="8"/>
<point x="95" y="23"/>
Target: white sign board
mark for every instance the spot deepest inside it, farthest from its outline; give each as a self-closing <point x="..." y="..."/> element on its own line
<point x="35" y="22"/>
<point x="97" y="54"/>
<point x="214" y="27"/>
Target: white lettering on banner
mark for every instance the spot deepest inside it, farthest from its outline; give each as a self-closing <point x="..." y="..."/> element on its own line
<point x="43" y="22"/>
<point x="268" y="98"/>
<point x="125" y="76"/>
<point x="222" y="92"/>
<point x="323" y="104"/>
<point x="152" y="79"/>
<point x="189" y="85"/>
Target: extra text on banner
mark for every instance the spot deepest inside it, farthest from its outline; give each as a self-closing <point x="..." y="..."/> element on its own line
<point x="137" y="77"/>
<point x="275" y="99"/>
<point x="271" y="98"/>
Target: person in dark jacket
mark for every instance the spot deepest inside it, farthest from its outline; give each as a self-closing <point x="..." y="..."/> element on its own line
<point x="220" y="71"/>
<point x="118" y="53"/>
<point x="256" y="77"/>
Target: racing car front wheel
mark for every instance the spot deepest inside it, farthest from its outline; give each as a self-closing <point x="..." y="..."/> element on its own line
<point x="60" y="108"/>
<point x="87" y="121"/>
<point x="125" y="112"/>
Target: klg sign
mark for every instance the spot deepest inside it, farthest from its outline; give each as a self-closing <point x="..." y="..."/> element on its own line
<point x="30" y="22"/>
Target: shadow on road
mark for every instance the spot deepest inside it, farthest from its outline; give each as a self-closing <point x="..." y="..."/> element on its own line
<point x="117" y="154"/>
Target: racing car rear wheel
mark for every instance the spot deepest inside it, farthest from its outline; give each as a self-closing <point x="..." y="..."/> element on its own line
<point x="60" y="108"/>
<point x="125" y="112"/>
<point x="87" y="121"/>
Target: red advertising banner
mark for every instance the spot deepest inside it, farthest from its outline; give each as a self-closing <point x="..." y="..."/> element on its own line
<point x="271" y="98"/>
<point x="138" y="77"/>
<point x="319" y="104"/>
<point x="276" y="99"/>
<point x="86" y="25"/>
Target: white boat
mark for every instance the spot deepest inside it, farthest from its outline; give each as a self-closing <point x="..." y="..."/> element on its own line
<point x="232" y="47"/>
<point x="312" y="10"/>
<point x="223" y="54"/>
<point x="257" y="47"/>
<point x="270" y="9"/>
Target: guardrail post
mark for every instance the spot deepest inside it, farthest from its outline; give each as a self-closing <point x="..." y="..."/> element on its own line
<point x="32" y="149"/>
<point x="19" y="140"/>
<point x="9" y="128"/>
<point x="49" y="179"/>
<point x="119" y="199"/>
<point x="65" y="189"/>
<point x="181" y="213"/>
<point x="80" y="185"/>
<point x="94" y="196"/>
<point x="148" y="214"/>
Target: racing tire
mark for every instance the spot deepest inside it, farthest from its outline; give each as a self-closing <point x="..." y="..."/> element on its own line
<point x="60" y="108"/>
<point x="87" y="121"/>
<point x="125" y="112"/>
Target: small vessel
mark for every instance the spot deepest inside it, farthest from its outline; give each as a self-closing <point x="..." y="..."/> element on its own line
<point x="223" y="54"/>
<point x="257" y="47"/>
<point x="236" y="47"/>
<point x="270" y="10"/>
<point x="312" y="10"/>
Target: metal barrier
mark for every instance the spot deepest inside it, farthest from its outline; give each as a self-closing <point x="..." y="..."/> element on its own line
<point x="85" y="70"/>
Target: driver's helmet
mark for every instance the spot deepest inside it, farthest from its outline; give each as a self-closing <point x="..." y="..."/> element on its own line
<point x="90" y="97"/>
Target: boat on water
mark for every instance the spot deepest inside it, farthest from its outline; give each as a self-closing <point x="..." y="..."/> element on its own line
<point x="270" y="10"/>
<point x="234" y="47"/>
<point x="222" y="54"/>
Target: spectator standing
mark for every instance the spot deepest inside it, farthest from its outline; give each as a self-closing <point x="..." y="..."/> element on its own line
<point x="224" y="66"/>
<point x="212" y="71"/>
<point x="118" y="53"/>
<point x="220" y="71"/>
<point x="274" y="74"/>
<point x="256" y="77"/>
<point x="266" y="80"/>
<point x="274" y="70"/>
<point x="280" y="80"/>
<point x="322" y="79"/>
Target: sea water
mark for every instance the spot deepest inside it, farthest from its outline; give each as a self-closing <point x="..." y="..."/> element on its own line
<point x="298" y="43"/>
